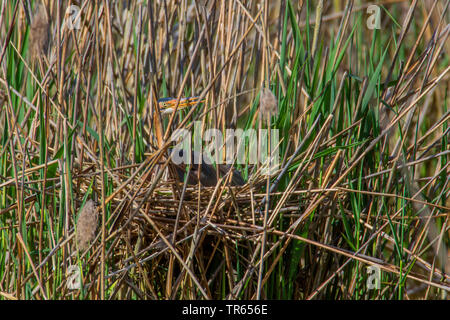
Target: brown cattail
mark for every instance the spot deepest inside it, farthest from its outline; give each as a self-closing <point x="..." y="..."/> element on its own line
<point x="268" y="103"/>
<point x="2" y="98"/>
<point x="86" y="225"/>
<point x="39" y="33"/>
<point x="2" y="106"/>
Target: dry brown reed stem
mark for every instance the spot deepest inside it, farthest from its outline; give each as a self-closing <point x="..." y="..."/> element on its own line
<point x="39" y="33"/>
<point x="86" y="225"/>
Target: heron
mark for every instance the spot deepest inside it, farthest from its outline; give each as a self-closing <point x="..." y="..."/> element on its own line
<point x="201" y="169"/>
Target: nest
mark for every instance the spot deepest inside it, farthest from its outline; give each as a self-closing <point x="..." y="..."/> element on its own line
<point x="218" y="221"/>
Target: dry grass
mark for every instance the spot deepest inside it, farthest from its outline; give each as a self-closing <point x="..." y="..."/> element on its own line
<point x="86" y="225"/>
<point x="39" y="33"/>
<point x="363" y="121"/>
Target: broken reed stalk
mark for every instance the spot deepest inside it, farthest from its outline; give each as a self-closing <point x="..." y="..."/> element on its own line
<point x="86" y="225"/>
<point x="39" y="33"/>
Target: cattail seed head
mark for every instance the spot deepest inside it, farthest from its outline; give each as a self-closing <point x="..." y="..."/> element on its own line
<point x="39" y="33"/>
<point x="86" y="225"/>
<point x="268" y="103"/>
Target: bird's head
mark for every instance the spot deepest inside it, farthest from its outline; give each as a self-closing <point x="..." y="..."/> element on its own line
<point x="168" y="105"/>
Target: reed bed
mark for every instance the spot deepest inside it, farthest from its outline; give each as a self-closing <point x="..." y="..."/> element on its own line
<point x="90" y="207"/>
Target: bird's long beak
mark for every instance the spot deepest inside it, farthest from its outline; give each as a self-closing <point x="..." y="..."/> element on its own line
<point x="167" y="105"/>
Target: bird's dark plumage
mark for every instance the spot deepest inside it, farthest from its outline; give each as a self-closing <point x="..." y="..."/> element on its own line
<point x="208" y="173"/>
